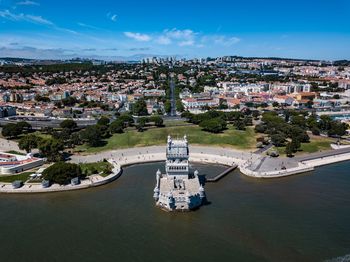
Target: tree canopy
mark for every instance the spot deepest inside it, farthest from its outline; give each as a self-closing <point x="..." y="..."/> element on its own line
<point x="62" y="173"/>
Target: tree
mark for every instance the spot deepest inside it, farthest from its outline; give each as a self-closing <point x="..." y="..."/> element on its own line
<point x="76" y="139"/>
<point x="278" y="139"/>
<point x="126" y="119"/>
<point x="69" y="101"/>
<point x="62" y="173"/>
<point x="315" y="131"/>
<point x="256" y="114"/>
<point x="29" y="142"/>
<point x="64" y="135"/>
<point x="24" y="126"/>
<point x="179" y="106"/>
<point x="214" y="125"/>
<point x="260" y="128"/>
<point x="69" y="124"/>
<point x="51" y="149"/>
<point x="140" y="108"/>
<point x="40" y="98"/>
<point x="103" y="121"/>
<point x="325" y="122"/>
<point x="142" y="121"/>
<point x="275" y="104"/>
<point x="167" y="106"/>
<point x="239" y="124"/>
<point x="248" y="121"/>
<point x="11" y="131"/>
<point x="337" y="129"/>
<point x="92" y="135"/>
<point x="295" y="144"/>
<point x="116" y="126"/>
<point x="299" y="120"/>
<point x="158" y="121"/>
<point x="289" y="149"/>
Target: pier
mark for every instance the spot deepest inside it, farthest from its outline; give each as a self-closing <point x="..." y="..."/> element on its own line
<point x="221" y="175"/>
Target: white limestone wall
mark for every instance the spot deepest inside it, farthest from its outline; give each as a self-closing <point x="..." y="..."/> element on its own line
<point x="328" y="160"/>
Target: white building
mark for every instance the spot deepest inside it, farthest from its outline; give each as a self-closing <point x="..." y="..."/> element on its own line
<point x="178" y="190"/>
<point x="12" y="163"/>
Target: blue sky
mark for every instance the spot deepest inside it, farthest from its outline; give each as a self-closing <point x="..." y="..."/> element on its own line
<point x="62" y="29"/>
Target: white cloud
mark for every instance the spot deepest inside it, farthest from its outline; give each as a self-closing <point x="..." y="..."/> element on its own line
<point x="89" y="26"/>
<point x="179" y="34"/>
<point x="138" y="36"/>
<point x="28" y="3"/>
<point x="226" y="41"/>
<point x="112" y="17"/>
<point x="20" y="17"/>
<point x="187" y="43"/>
<point x="6" y="14"/>
<point x="184" y="37"/>
<point x="163" y="40"/>
<point x="38" y="19"/>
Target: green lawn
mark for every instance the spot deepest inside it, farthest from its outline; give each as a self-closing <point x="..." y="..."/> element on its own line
<point x="98" y="167"/>
<point x="315" y="145"/>
<point x="230" y="137"/>
<point x="9" y="179"/>
<point x="171" y="123"/>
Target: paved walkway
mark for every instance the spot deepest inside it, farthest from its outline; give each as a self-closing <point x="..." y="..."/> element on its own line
<point x="8" y="145"/>
<point x="141" y="151"/>
<point x="323" y="154"/>
<point x="249" y="164"/>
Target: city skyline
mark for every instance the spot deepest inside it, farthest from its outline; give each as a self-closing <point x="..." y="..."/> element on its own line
<point x="62" y="30"/>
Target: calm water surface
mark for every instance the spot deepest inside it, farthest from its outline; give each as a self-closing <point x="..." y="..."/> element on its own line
<point x="300" y="218"/>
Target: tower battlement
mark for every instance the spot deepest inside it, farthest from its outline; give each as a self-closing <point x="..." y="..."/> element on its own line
<point x="177" y="190"/>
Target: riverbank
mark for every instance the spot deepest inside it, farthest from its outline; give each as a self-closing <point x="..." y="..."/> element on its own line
<point x="91" y="181"/>
<point x="249" y="164"/>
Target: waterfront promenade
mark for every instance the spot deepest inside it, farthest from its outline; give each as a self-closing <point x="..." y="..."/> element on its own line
<point x="249" y="164"/>
<point x="91" y="181"/>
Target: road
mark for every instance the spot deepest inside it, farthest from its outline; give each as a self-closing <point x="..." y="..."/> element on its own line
<point x="172" y="97"/>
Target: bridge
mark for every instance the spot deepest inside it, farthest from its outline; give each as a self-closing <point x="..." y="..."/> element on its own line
<point x="222" y="174"/>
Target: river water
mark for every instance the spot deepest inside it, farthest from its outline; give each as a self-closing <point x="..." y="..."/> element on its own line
<point x="300" y="218"/>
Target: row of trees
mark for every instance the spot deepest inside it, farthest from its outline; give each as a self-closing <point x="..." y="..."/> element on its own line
<point x="279" y="130"/>
<point x="216" y="121"/>
<point x="12" y="130"/>
<point x="50" y="148"/>
<point x="69" y="135"/>
<point x="290" y="128"/>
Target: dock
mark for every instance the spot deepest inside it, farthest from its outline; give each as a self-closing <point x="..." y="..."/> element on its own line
<point x="222" y="174"/>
